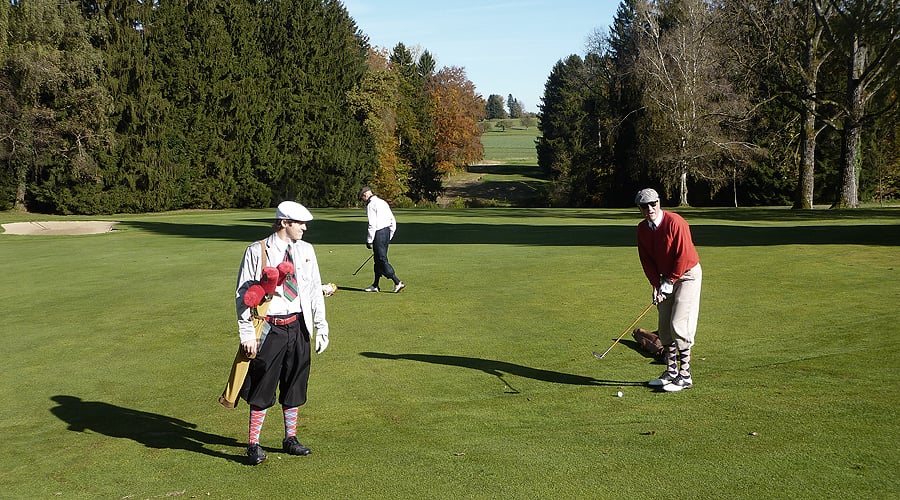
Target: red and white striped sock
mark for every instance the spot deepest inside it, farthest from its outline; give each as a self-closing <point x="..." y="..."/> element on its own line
<point x="257" y="415"/>
<point x="290" y="422"/>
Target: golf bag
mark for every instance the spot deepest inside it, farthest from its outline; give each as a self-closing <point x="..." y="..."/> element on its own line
<point x="649" y="342"/>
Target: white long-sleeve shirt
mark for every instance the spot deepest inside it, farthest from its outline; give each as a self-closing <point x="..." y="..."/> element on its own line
<point x="380" y="217"/>
<point x="310" y="299"/>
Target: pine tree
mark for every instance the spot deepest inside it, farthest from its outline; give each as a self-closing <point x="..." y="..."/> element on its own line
<point x="494" y="108"/>
<point x="141" y="156"/>
<point x="316" y="57"/>
<point x="630" y="171"/>
<point x="515" y="107"/>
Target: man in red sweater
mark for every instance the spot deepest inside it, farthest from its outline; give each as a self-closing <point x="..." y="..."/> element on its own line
<point x="672" y="266"/>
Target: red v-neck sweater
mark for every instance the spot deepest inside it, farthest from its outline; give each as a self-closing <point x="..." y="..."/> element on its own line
<point x="668" y="250"/>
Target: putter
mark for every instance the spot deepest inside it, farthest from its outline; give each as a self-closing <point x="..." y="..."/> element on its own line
<point x="600" y="356"/>
<point x="364" y="263"/>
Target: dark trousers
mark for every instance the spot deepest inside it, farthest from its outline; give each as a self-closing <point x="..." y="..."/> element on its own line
<point x="380" y="249"/>
<point x="282" y="363"/>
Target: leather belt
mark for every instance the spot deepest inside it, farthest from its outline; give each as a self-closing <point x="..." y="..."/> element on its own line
<point x="282" y="321"/>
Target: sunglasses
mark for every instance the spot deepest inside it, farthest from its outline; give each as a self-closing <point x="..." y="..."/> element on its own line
<point x="646" y="205"/>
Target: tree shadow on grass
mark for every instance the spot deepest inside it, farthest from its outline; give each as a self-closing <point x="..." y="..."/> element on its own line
<point x="600" y="235"/>
<point x="529" y="171"/>
<point x="499" y="368"/>
<point x="150" y="429"/>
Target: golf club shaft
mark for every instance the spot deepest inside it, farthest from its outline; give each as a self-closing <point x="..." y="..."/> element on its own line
<point x="627" y="330"/>
<point x="364" y="263"/>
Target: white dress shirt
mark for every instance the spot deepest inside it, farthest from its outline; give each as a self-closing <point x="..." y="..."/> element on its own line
<point x="380" y="217"/>
<point x="310" y="299"/>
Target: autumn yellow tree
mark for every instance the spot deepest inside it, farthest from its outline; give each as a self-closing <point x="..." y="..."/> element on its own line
<point x="375" y="101"/>
<point x="456" y="109"/>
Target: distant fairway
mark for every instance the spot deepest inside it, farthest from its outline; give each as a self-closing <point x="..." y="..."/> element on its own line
<point x="513" y="146"/>
<point x="508" y="175"/>
<point x="478" y="380"/>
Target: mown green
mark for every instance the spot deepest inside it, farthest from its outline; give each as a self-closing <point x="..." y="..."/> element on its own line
<point x="477" y="381"/>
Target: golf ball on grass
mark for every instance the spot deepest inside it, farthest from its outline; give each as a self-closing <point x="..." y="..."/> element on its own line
<point x="619" y="394"/>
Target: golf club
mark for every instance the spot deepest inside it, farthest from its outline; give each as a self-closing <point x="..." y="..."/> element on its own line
<point x="364" y="263"/>
<point x="600" y="356"/>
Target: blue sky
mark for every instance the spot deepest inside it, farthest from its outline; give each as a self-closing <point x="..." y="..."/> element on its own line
<point x="506" y="47"/>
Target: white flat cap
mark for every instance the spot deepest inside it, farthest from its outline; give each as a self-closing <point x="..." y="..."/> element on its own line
<point x="646" y="196"/>
<point x="292" y="210"/>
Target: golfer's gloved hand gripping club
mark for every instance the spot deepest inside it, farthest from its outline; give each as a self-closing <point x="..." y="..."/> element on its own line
<point x="666" y="287"/>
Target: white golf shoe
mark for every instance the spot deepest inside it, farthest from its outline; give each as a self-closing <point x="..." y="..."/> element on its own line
<point x="663" y="380"/>
<point x="680" y="384"/>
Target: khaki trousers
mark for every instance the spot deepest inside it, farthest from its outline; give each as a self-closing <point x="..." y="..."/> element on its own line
<point x="679" y="312"/>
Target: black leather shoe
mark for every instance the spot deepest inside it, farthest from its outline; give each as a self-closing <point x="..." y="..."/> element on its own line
<point x="293" y="447"/>
<point x="256" y="454"/>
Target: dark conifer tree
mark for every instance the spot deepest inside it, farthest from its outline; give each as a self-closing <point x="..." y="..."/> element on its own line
<point x="141" y="156"/>
<point x="625" y="104"/>
<point x="316" y="56"/>
<point x="495" y="108"/>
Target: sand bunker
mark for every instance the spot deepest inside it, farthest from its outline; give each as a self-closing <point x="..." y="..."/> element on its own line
<point x="59" y="227"/>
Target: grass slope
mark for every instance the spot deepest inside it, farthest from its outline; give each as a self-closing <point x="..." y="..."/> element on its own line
<point x="507" y="177"/>
<point x="511" y="146"/>
<point x="475" y="382"/>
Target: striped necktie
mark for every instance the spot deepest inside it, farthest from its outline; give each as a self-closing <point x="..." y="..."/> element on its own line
<point x="290" y="282"/>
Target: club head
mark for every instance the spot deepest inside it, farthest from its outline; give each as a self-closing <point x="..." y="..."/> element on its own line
<point x="598" y="355"/>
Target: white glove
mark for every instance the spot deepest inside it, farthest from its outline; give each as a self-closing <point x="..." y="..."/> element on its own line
<point x="321" y="342"/>
<point x="662" y="293"/>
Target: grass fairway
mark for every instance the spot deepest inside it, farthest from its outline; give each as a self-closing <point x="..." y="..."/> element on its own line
<point x="514" y="146"/>
<point x="478" y="380"/>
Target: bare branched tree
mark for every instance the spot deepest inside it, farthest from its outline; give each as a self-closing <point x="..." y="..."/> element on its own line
<point x="866" y="34"/>
<point x="783" y="44"/>
<point x="694" y="112"/>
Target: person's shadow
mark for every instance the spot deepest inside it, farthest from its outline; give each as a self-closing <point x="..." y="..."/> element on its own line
<point x="150" y="429"/>
<point x="498" y="368"/>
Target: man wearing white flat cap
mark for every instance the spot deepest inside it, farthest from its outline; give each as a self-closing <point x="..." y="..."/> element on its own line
<point x="672" y="266"/>
<point x="281" y="357"/>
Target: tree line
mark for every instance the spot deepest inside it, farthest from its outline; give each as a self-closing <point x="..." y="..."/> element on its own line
<point x="498" y="108"/>
<point x="729" y="102"/>
<point x="132" y="106"/>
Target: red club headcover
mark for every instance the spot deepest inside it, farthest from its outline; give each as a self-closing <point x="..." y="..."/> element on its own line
<point x="269" y="279"/>
<point x="284" y="269"/>
<point x="254" y="296"/>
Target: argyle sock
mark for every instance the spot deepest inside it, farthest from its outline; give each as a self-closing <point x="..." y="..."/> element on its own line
<point x="290" y="422"/>
<point x="684" y="358"/>
<point x="257" y="415"/>
<point x="671" y="359"/>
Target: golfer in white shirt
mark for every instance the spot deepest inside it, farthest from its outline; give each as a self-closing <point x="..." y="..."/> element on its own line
<point x="382" y="226"/>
